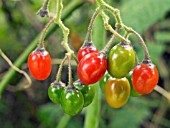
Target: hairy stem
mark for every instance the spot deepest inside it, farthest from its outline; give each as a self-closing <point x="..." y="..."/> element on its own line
<point x="147" y="57"/>
<point x="58" y="77"/>
<point x="70" y="81"/>
<point x="119" y="23"/>
<point x="89" y="32"/>
<point x="41" y="42"/>
<point x="109" y="44"/>
<point x="109" y="27"/>
<point x="114" y="11"/>
<point x="63" y="27"/>
<point x="45" y="4"/>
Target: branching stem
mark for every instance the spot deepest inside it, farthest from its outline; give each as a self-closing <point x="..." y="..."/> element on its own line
<point x="110" y="43"/>
<point x="17" y="69"/>
<point x="104" y="6"/>
<point x="109" y="27"/>
<point x="65" y="30"/>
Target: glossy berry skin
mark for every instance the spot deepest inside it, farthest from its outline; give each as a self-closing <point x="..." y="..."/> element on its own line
<point x="121" y="60"/>
<point x="102" y="82"/>
<point x="117" y="92"/>
<point x="86" y="49"/>
<point x="72" y="101"/>
<point x="39" y="64"/>
<point x="145" y="78"/>
<point x="92" y="68"/>
<point x="54" y="91"/>
<point x="88" y="92"/>
<point x="133" y="92"/>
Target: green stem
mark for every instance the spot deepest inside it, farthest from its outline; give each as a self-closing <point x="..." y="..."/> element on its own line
<point x="63" y="121"/>
<point x="102" y="5"/>
<point x="65" y="33"/>
<point x="58" y="77"/>
<point x="23" y="57"/>
<point x="109" y="27"/>
<point x="115" y="11"/>
<point x="59" y="10"/>
<point x="93" y="110"/>
<point x="63" y="27"/>
<point x="45" y="4"/>
<point x="126" y="36"/>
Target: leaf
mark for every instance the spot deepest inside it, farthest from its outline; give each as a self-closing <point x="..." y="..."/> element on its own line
<point x="162" y="36"/>
<point x="49" y="114"/>
<point x="99" y="31"/>
<point x="141" y="14"/>
<point x="133" y="114"/>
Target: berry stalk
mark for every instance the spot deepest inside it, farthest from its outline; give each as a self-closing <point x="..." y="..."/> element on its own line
<point x="109" y="44"/>
<point x="147" y="56"/>
<point x="119" y="23"/>
<point x="58" y="77"/>
<point x="109" y="27"/>
<point x="42" y="37"/>
<point x="89" y="32"/>
<point x="70" y="81"/>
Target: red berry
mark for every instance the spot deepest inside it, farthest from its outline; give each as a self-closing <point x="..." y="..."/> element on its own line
<point x="39" y="64"/>
<point x="86" y="49"/>
<point x="145" y="78"/>
<point x="92" y="68"/>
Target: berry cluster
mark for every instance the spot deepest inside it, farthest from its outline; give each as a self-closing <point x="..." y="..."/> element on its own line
<point x="114" y="67"/>
<point x="72" y="99"/>
<point x="120" y="80"/>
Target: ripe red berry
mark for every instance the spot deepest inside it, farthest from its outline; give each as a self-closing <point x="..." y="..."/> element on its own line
<point x="39" y="64"/>
<point x="86" y="49"/>
<point x="145" y="78"/>
<point x="92" y="68"/>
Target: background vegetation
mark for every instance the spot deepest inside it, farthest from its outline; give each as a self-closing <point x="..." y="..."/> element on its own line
<point x="31" y="108"/>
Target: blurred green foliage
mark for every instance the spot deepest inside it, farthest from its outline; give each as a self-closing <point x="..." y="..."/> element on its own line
<point x="31" y="108"/>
